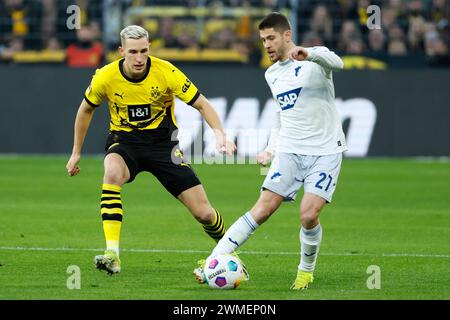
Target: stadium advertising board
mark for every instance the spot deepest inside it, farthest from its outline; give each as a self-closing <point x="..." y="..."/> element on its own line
<point x="384" y="113"/>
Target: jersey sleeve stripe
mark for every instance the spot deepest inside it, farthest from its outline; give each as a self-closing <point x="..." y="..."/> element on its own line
<point x="90" y="102"/>
<point x="194" y="98"/>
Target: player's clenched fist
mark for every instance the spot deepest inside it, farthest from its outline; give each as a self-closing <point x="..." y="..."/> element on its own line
<point x="72" y="165"/>
<point x="264" y="158"/>
<point x="298" y="53"/>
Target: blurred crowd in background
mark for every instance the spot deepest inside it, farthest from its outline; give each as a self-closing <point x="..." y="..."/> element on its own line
<point x="412" y="30"/>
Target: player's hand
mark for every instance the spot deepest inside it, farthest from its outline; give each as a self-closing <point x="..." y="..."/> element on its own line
<point x="264" y="158"/>
<point x="223" y="145"/>
<point x="226" y="147"/>
<point x="72" y="165"/>
<point x="298" y="53"/>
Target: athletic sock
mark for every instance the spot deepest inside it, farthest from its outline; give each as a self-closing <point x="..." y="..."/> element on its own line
<point x="111" y="210"/>
<point x="215" y="230"/>
<point x="236" y="235"/>
<point x="310" y="243"/>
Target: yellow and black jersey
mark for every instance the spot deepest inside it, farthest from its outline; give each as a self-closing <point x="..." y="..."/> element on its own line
<point x="144" y="104"/>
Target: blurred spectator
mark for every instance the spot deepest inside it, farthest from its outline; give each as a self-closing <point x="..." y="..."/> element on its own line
<point x="396" y="33"/>
<point x="52" y="44"/>
<point x="355" y="46"/>
<point x="398" y="6"/>
<point x="349" y="31"/>
<point x="186" y="41"/>
<point x="166" y="29"/>
<point x="376" y="42"/>
<point x="443" y="28"/>
<point x="248" y="49"/>
<point x="49" y="18"/>
<point x="21" y="19"/>
<point x="362" y="14"/>
<point x="311" y="39"/>
<point x="346" y="10"/>
<point x="223" y="39"/>
<point x="416" y="34"/>
<point x="439" y="10"/>
<point x="388" y="17"/>
<point x="436" y="48"/>
<point x="271" y="4"/>
<point x="90" y="15"/>
<point x="14" y="45"/>
<point x="322" y="24"/>
<point x="168" y="38"/>
<point x="397" y="47"/>
<point x="86" y="51"/>
<point x="113" y="12"/>
<point x="244" y="29"/>
<point x="415" y="8"/>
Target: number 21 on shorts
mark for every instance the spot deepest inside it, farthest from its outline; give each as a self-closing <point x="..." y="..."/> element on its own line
<point x="324" y="182"/>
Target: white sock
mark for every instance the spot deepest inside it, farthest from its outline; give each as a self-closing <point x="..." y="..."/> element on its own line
<point x="310" y="243"/>
<point x="113" y="245"/>
<point x="236" y="235"/>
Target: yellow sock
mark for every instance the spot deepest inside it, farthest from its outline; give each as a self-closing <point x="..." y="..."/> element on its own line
<point x="111" y="210"/>
<point x="215" y="230"/>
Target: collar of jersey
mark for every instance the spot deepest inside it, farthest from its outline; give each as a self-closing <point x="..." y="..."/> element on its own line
<point x="147" y="70"/>
<point x="285" y="62"/>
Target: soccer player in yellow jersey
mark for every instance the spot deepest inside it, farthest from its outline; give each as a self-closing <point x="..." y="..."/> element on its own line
<point x="140" y="90"/>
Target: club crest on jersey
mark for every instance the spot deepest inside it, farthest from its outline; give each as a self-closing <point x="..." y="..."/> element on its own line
<point x="287" y="99"/>
<point x="155" y="92"/>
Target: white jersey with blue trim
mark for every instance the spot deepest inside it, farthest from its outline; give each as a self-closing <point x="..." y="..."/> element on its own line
<point x="307" y="121"/>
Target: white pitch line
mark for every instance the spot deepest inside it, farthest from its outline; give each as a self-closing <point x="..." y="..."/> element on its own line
<point x="346" y="254"/>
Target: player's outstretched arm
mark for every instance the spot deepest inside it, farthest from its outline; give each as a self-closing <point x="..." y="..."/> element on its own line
<point x="320" y="55"/>
<point x="212" y="118"/>
<point x="82" y="122"/>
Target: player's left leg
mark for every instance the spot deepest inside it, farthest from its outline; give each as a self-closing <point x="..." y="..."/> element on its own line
<point x="196" y="201"/>
<point x="310" y="239"/>
<point x="167" y="164"/>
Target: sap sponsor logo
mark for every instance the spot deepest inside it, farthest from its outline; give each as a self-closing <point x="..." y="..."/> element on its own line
<point x="287" y="99"/>
<point x="250" y="123"/>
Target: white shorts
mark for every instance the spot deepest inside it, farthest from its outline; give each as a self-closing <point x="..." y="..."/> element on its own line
<point x="289" y="172"/>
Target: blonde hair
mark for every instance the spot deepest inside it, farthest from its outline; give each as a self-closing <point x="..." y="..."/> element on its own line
<point x="133" y="32"/>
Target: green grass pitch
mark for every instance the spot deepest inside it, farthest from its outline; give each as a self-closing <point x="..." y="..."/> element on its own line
<point x="394" y="214"/>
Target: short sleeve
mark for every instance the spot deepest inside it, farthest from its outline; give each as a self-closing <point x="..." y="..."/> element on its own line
<point x="95" y="93"/>
<point x="181" y="86"/>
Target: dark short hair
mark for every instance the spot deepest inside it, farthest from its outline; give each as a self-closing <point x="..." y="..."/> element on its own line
<point x="275" y="20"/>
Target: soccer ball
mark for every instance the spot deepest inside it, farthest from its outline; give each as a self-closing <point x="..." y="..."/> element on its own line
<point x="224" y="271"/>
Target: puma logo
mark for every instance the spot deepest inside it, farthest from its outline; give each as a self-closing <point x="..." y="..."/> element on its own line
<point x="119" y="95"/>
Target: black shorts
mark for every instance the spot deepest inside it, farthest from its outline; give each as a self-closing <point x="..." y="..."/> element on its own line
<point x="162" y="158"/>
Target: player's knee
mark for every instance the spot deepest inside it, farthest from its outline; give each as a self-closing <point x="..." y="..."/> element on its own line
<point x="309" y="216"/>
<point x="114" y="176"/>
<point x="263" y="211"/>
<point x="203" y="213"/>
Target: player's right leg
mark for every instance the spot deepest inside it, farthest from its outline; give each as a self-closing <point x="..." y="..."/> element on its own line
<point x="241" y="230"/>
<point x="116" y="174"/>
<point x="320" y="183"/>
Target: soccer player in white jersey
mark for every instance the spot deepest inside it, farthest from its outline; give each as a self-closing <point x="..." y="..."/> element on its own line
<point x="306" y="143"/>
